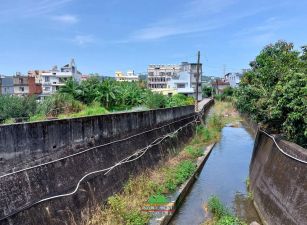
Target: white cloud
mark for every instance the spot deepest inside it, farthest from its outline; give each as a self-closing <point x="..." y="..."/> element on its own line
<point x="44" y="6"/>
<point x="83" y="39"/>
<point x="67" y="19"/>
<point x="29" y="8"/>
<point x="195" y="17"/>
<point x="263" y="33"/>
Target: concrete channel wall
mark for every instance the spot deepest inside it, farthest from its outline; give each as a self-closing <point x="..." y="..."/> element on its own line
<point x="278" y="182"/>
<point x="52" y="143"/>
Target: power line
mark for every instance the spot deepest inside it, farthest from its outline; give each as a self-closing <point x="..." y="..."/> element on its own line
<point x="138" y="154"/>
<point x="92" y="148"/>
<point x="281" y="150"/>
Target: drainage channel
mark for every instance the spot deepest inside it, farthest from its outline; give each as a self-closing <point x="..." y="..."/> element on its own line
<point x="224" y="175"/>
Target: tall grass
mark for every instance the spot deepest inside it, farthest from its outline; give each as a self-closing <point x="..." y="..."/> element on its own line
<point x="93" y="109"/>
<point x="178" y="174"/>
<point x="221" y="214"/>
<point x="125" y="207"/>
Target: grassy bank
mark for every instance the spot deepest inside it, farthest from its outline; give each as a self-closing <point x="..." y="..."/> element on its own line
<point x="125" y="207"/>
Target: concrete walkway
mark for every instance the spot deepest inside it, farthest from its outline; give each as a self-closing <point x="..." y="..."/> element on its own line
<point x="203" y="102"/>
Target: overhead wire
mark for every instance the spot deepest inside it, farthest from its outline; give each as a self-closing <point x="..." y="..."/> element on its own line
<point x="92" y="148"/>
<point x="138" y="154"/>
<point x="281" y="150"/>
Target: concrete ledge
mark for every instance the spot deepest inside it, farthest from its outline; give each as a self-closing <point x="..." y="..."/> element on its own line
<point x="278" y="182"/>
<point x="183" y="191"/>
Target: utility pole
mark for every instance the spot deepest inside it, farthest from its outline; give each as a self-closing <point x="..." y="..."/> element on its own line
<point x="197" y="79"/>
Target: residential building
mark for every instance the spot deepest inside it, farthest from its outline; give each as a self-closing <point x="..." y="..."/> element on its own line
<point x="34" y="88"/>
<point x="21" y="84"/>
<point x="37" y="74"/>
<point x="7" y="85"/>
<point x="160" y="75"/>
<point x="219" y="86"/>
<point x="129" y="76"/>
<point x="173" y="79"/>
<point x="191" y="68"/>
<point x="53" y="79"/>
<point x="1" y="76"/>
<point x="182" y="84"/>
<point x="233" y="78"/>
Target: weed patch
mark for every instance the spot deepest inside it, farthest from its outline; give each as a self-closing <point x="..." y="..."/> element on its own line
<point x="193" y="151"/>
<point x="177" y="175"/>
<point x="126" y="207"/>
<point x="221" y="214"/>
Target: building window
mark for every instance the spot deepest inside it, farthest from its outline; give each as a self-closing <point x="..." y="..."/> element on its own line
<point x="180" y="86"/>
<point x="47" y="88"/>
<point x="22" y="89"/>
<point x="47" y="79"/>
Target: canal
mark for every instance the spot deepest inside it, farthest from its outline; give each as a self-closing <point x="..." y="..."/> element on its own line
<point x="224" y="175"/>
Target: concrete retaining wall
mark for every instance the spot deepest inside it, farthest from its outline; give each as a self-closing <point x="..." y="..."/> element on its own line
<point x="29" y="144"/>
<point x="279" y="183"/>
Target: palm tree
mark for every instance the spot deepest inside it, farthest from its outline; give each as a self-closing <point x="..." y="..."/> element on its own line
<point x="107" y="93"/>
<point x="70" y="87"/>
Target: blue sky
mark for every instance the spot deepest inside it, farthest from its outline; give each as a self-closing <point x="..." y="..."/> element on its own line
<point x="104" y="36"/>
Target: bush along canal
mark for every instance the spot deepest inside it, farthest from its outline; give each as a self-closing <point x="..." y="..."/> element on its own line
<point x="150" y="198"/>
<point x="148" y="195"/>
<point x="219" y="195"/>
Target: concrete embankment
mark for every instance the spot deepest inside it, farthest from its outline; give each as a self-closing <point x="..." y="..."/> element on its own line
<point x="183" y="190"/>
<point x="279" y="182"/>
<point x="47" y="159"/>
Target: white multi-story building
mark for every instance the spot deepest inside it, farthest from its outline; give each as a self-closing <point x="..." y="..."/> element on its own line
<point x="129" y="76"/>
<point x="160" y="75"/>
<point x="171" y="79"/>
<point x="233" y="78"/>
<point x="52" y="80"/>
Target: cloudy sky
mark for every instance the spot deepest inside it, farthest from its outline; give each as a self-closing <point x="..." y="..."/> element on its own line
<point x="104" y="36"/>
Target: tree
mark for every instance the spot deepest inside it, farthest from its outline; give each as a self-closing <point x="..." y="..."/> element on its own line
<point x="207" y="91"/>
<point x="274" y="91"/>
<point x="70" y="87"/>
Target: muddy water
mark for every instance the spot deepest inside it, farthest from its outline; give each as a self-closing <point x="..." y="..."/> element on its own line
<point x="223" y="175"/>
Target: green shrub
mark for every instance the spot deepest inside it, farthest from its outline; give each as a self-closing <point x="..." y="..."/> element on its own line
<point x="91" y="110"/>
<point x="16" y="107"/>
<point x="217" y="207"/>
<point x="221" y="213"/>
<point x="215" y="121"/>
<point x="118" y="207"/>
<point x="155" y="100"/>
<point x="117" y="204"/>
<point x="274" y="91"/>
<point x="218" y="97"/>
<point x="204" y="133"/>
<point x="59" y="103"/>
<point x="207" y="91"/>
<point x="229" y="220"/>
<point x="179" y="174"/>
<point x="194" y="151"/>
<point x="136" y="218"/>
<point x="179" y="100"/>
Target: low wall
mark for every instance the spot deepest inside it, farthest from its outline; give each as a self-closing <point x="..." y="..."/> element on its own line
<point x="278" y="182"/>
<point x="70" y="149"/>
